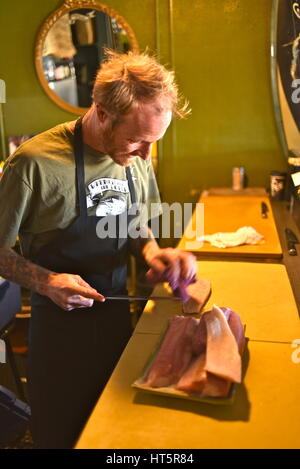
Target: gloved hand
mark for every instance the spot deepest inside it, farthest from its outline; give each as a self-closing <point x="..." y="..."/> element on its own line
<point x="179" y="285"/>
<point x="174" y="266"/>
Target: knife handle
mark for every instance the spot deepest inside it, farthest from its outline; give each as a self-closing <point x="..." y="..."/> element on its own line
<point x="264" y="210"/>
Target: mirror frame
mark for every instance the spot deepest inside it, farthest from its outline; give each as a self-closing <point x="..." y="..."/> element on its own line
<point x="70" y="5"/>
<point x="274" y="80"/>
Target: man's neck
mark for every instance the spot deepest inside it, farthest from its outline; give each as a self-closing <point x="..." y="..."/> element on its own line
<point x="91" y="130"/>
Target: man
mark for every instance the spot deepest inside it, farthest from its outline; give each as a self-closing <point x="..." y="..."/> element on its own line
<point x="54" y="192"/>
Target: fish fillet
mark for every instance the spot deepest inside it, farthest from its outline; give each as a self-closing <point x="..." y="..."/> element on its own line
<point x="215" y="386"/>
<point x="222" y="353"/>
<point x="195" y="377"/>
<point x="200" y="356"/>
<point x="174" y="354"/>
<point x="235" y="324"/>
<point x="198" y="292"/>
<point x="200" y="338"/>
<point x="237" y="329"/>
<point x="214" y="340"/>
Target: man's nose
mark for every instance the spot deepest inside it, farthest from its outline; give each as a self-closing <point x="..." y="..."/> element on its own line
<point x="145" y="151"/>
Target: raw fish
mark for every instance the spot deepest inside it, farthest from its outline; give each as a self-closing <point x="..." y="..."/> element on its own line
<point x="174" y="354"/>
<point x="195" y="377"/>
<point x="222" y="353"/>
<point x="219" y="335"/>
<point x="198" y="292"/>
<point x="216" y="386"/>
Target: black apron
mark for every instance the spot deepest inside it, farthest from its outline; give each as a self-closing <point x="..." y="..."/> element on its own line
<point x="73" y="353"/>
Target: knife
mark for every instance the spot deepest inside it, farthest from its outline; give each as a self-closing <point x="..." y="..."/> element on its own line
<point x="264" y="210"/>
<point x="143" y="298"/>
<point x="291" y="241"/>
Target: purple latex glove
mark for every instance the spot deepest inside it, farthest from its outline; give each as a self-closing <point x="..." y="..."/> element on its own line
<point x="179" y="285"/>
<point x="175" y="267"/>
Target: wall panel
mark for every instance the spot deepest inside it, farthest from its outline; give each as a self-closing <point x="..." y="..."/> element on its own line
<point x="220" y="50"/>
<point x="221" y="55"/>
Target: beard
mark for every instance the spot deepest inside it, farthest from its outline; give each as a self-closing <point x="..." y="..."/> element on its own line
<point x="122" y="158"/>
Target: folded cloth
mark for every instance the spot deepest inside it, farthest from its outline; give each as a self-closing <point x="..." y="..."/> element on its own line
<point x="244" y="235"/>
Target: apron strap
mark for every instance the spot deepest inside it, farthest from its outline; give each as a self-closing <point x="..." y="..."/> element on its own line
<point x="121" y="241"/>
<point x="80" y="179"/>
<point x="130" y="185"/>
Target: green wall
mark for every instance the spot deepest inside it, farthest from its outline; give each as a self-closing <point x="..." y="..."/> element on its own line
<point x="220" y="50"/>
<point x="28" y="108"/>
<point x="221" y="55"/>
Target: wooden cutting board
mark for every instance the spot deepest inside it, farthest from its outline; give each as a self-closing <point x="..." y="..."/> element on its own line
<point x="227" y="214"/>
<point x="265" y="413"/>
<point x="259" y="292"/>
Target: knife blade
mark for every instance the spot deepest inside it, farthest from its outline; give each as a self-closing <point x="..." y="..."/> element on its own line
<point x="291" y="241"/>
<point x="142" y="298"/>
<point x="264" y="210"/>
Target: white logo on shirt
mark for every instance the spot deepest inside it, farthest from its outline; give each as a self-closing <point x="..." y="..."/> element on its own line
<point x="99" y="186"/>
<point x="113" y="205"/>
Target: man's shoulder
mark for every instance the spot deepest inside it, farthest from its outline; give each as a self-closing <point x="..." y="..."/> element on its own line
<point x="52" y="143"/>
<point x="40" y="153"/>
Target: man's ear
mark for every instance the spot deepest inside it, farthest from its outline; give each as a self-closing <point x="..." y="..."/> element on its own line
<point x="101" y="113"/>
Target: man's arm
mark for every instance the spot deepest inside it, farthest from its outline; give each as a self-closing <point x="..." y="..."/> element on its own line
<point x="19" y="270"/>
<point x="144" y="246"/>
<point x="66" y="290"/>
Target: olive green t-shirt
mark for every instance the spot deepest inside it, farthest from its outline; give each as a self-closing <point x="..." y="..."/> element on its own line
<point x="38" y="188"/>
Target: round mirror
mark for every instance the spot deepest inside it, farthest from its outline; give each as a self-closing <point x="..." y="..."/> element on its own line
<point x="70" y="48"/>
<point x="285" y="44"/>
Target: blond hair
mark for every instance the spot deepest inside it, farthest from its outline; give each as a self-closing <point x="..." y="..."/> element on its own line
<point x="126" y="80"/>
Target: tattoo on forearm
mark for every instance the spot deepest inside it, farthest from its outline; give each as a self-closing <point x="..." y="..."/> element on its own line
<point x="16" y="268"/>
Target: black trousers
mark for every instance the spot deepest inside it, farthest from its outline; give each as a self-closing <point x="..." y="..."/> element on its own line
<point x="71" y="357"/>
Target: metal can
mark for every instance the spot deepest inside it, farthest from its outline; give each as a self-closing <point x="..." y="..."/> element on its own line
<point x="238" y="176"/>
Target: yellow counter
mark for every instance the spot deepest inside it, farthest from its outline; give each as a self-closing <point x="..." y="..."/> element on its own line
<point x="227" y="214"/>
<point x="259" y="292"/>
<point x="265" y="414"/>
<point x="266" y="410"/>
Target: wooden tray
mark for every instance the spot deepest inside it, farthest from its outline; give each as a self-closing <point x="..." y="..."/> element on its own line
<point x="170" y="391"/>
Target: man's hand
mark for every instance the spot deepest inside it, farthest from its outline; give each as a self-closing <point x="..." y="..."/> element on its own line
<point x="171" y="265"/>
<point x="66" y="290"/>
<point x="70" y="291"/>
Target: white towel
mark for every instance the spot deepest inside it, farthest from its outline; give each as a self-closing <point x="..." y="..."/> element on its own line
<point x="296" y="178"/>
<point x="244" y="235"/>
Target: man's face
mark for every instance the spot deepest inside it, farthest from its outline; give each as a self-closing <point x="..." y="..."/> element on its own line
<point x="135" y="133"/>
